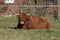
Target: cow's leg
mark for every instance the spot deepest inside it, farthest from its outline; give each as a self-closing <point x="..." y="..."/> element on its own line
<point x="26" y="27"/>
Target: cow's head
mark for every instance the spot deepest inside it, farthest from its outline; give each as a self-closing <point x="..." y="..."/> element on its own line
<point x="23" y="18"/>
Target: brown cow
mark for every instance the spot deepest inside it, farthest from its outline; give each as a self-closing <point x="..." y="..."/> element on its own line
<point x="33" y="22"/>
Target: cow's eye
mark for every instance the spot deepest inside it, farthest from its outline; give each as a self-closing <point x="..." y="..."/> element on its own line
<point x="27" y="19"/>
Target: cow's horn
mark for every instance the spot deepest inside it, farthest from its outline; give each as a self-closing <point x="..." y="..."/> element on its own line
<point x="28" y="14"/>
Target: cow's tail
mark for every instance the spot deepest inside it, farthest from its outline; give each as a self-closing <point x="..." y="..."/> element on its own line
<point x="48" y="24"/>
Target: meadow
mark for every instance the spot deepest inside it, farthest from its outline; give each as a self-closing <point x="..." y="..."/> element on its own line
<point x="7" y="31"/>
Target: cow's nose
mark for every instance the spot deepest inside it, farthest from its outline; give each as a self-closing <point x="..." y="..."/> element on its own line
<point x="21" y="22"/>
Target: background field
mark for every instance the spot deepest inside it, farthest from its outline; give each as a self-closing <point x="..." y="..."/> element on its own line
<point x="7" y="31"/>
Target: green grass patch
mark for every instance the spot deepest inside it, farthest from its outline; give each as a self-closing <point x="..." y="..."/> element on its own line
<point x="7" y="31"/>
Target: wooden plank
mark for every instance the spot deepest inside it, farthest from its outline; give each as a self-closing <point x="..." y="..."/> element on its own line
<point x="58" y="2"/>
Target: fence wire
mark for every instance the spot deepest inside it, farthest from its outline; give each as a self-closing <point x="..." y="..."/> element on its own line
<point x="40" y="10"/>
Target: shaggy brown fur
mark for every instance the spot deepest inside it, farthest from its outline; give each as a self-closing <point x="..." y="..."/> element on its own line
<point x="34" y="22"/>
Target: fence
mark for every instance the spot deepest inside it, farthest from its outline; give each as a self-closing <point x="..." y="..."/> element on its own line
<point x="40" y="10"/>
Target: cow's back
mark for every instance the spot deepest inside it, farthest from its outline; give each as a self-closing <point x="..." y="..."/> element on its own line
<point x="39" y="22"/>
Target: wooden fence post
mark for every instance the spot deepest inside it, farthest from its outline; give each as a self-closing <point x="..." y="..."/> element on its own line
<point x="58" y="3"/>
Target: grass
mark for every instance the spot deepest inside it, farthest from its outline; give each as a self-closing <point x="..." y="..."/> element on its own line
<point x="7" y="31"/>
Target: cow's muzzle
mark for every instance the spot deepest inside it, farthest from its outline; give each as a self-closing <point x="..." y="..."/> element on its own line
<point x="21" y="22"/>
